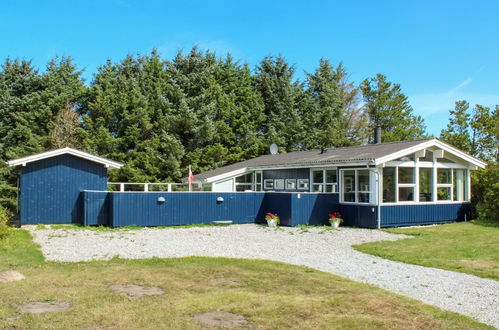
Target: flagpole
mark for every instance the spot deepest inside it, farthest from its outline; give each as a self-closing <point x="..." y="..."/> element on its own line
<point x="189" y="179"/>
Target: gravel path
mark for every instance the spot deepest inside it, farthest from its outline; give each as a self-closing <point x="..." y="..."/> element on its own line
<point x="328" y="251"/>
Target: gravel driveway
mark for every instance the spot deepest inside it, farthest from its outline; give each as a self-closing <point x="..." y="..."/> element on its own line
<point x="326" y="250"/>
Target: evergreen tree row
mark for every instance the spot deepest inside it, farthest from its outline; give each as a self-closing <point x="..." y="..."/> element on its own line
<point x="158" y="116"/>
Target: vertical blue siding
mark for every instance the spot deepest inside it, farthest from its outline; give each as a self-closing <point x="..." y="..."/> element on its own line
<point x="143" y="209"/>
<point x="50" y="188"/>
<point x="313" y="209"/>
<point x="359" y="215"/>
<point x="96" y="209"/>
<point x="410" y="215"/>
<point x="279" y="203"/>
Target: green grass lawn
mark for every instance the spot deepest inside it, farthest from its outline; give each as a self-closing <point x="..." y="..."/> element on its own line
<point x="270" y="295"/>
<point x="468" y="247"/>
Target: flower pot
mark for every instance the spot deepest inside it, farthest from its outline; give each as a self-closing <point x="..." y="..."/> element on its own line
<point x="271" y="223"/>
<point x="335" y="224"/>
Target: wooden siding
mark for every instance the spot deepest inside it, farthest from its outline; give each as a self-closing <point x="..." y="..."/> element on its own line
<point x="410" y="215"/>
<point x="143" y="209"/>
<point x="50" y="188"/>
<point x="279" y="203"/>
<point x="313" y="209"/>
<point x="357" y="215"/>
<point x="96" y="209"/>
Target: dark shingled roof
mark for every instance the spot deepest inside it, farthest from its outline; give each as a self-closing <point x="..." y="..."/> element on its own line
<point x="332" y="155"/>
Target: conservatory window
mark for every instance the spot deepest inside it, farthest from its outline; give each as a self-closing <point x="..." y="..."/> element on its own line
<point x="406" y="184"/>
<point x="460" y="179"/>
<point x="348" y="186"/>
<point x="364" y="187"/>
<point x="444" y="184"/>
<point x="389" y="185"/>
<point x="425" y="184"/>
<point x="356" y="186"/>
<point x="324" y="180"/>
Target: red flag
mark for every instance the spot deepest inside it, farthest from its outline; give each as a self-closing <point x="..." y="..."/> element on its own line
<point x="191" y="176"/>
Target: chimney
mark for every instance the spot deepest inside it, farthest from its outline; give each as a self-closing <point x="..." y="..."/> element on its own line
<point x="377" y="134"/>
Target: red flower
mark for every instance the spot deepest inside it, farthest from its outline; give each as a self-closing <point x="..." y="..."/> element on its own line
<point x="335" y="215"/>
<point x="272" y="214"/>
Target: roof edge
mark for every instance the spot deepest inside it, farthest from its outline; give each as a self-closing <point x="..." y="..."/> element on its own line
<point x="63" y="151"/>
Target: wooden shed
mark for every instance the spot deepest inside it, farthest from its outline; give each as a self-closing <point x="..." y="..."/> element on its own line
<point x="51" y="182"/>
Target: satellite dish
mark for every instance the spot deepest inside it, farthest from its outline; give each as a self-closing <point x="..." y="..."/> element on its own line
<point x="273" y="149"/>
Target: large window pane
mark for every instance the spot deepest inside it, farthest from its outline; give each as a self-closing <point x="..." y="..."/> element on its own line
<point x="406" y="175"/>
<point x="331" y="176"/>
<point x="459" y="185"/>
<point x="406" y="194"/>
<point x="389" y="184"/>
<point x="247" y="178"/>
<point x="443" y="193"/>
<point x="425" y="184"/>
<point x="318" y="176"/>
<point x="364" y="189"/>
<point x="349" y="186"/>
<point x="444" y="176"/>
<point x="317" y="187"/>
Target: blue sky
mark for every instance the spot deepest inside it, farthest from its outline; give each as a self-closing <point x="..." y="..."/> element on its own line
<point x="438" y="51"/>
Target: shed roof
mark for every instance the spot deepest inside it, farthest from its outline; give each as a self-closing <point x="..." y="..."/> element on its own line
<point x="377" y="153"/>
<point x="53" y="153"/>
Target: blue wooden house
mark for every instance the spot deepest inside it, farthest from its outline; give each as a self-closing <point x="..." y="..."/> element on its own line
<point x="377" y="185"/>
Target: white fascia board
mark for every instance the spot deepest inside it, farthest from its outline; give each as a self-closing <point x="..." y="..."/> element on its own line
<point x="404" y="152"/>
<point x="458" y="153"/>
<point x="228" y="175"/>
<point x="53" y="153"/>
<point x="432" y="143"/>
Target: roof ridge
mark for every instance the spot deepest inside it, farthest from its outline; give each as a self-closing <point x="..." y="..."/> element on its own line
<point x="358" y="146"/>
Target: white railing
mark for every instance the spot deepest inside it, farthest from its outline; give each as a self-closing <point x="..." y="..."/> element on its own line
<point x="150" y="186"/>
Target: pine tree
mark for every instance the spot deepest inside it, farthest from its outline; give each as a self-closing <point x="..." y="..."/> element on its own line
<point x="389" y="108"/>
<point x="457" y="131"/>
<point x="281" y="98"/>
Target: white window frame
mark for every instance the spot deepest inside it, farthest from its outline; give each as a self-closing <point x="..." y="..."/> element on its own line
<point x="406" y="185"/>
<point x="324" y="184"/>
<point x="276" y="187"/>
<point x="445" y="185"/>
<point x="290" y="181"/>
<point x="434" y="165"/>
<point x="303" y="184"/>
<point x="258" y="186"/>
<point x="266" y="182"/>
<point x="251" y="185"/>
<point x="356" y="190"/>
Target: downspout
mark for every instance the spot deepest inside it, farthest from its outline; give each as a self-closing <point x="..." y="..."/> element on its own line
<point x="378" y="197"/>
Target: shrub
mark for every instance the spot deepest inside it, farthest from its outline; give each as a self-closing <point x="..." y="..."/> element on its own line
<point x="4" y="223"/>
<point x="486" y="192"/>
